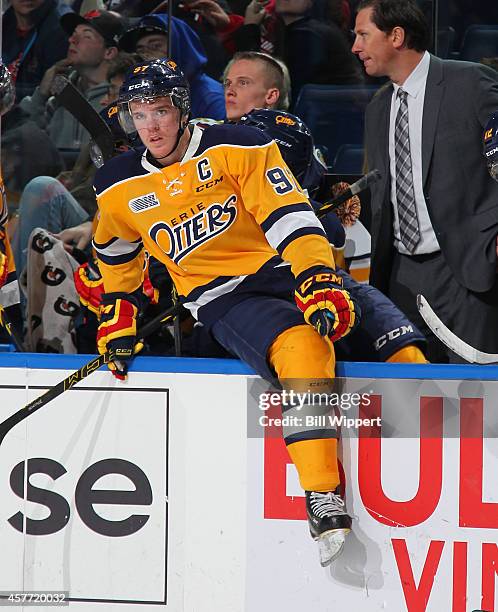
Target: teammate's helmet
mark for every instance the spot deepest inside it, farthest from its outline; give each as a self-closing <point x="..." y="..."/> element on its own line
<point x="121" y="143"/>
<point x="490" y="145"/>
<point x="294" y="141"/>
<point x="148" y="81"/>
<point x="7" y="90"/>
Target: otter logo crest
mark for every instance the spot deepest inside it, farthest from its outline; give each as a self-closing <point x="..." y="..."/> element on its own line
<point x="178" y="241"/>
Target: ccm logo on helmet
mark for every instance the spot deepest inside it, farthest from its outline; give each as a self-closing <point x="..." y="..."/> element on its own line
<point x="492" y="152"/>
<point x="138" y="85"/>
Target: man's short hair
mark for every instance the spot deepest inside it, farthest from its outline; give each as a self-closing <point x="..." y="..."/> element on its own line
<point x="276" y="72"/>
<point x="121" y="63"/>
<point x="387" y="14"/>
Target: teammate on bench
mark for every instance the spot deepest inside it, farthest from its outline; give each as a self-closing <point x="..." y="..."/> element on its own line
<point x="384" y="332"/>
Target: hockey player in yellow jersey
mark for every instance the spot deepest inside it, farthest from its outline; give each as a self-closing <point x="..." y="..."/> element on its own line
<point x="249" y="259"/>
<point x="9" y="288"/>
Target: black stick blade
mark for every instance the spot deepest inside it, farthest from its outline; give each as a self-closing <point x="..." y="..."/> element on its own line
<point x="54" y="392"/>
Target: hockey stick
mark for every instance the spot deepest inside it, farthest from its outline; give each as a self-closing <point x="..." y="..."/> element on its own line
<point x="360" y="185"/>
<point x="11" y="330"/>
<point x="451" y="340"/>
<point x="75" y="377"/>
<point x="68" y="96"/>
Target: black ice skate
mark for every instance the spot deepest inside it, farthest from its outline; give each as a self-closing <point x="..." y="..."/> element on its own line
<point x="329" y="523"/>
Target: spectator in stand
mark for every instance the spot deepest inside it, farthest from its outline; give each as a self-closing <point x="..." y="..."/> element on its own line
<point x="32" y="41"/>
<point x="115" y="75"/>
<point x="85" y="6"/>
<point x="79" y="180"/>
<point x="92" y="46"/>
<point x="205" y="24"/>
<point x="256" y="31"/>
<point x="255" y="80"/>
<point x="314" y="51"/>
<point x="68" y="200"/>
<point x="149" y="39"/>
<point x="259" y="29"/>
<point x="251" y="28"/>
<point x="19" y="164"/>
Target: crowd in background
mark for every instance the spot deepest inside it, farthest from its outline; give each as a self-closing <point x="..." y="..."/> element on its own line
<point x="47" y="163"/>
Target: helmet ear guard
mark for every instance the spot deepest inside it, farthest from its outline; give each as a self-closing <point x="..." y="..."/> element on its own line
<point x="125" y="119"/>
<point x="120" y="140"/>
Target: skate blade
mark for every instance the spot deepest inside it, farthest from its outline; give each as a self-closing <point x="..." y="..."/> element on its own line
<point x="330" y="545"/>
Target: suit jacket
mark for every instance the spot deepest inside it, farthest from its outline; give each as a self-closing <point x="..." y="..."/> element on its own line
<point x="461" y="197"/>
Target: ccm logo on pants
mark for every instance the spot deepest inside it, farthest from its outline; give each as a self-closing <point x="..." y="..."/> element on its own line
<point x="391" y="335"/>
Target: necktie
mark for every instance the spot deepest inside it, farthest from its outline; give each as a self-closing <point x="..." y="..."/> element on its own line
<point x="405" y="196"/>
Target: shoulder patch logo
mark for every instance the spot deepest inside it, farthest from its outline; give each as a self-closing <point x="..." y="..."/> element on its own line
<point x="143" y="202"/>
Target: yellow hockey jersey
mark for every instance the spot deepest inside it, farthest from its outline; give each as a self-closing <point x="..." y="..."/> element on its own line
<point x="228" y="209"/>
<point x="9" y="292"/>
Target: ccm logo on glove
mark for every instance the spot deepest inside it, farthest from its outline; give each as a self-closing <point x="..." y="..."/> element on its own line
<point x="326" y="305"/>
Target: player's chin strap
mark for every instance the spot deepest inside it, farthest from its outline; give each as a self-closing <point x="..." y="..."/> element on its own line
<point x="179" y="134"/>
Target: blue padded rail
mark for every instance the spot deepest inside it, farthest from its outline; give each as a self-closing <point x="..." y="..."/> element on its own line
<point x="234" y="366"/>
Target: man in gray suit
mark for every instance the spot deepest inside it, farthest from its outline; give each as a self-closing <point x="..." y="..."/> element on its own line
<point x="435" y="212"/>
